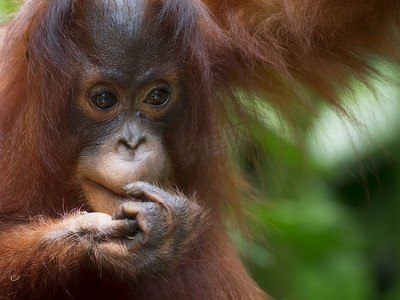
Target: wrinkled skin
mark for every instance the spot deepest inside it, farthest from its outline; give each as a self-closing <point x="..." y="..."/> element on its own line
<point x="144" y="234"/>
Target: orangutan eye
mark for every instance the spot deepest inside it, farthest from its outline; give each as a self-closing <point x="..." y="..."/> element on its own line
<point x="157" y="97"/>
<point x="104" y="101"/>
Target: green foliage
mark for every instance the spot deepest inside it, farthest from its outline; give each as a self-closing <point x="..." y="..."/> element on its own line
<point x="328" y="226"/>
<point x="7" y="7"/>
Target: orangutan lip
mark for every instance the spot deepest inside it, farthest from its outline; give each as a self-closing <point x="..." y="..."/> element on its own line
<point x="110" y="191"/>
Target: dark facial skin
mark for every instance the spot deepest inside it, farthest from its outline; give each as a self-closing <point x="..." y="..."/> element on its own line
<point x="128" y="94"/>
<point x="137" y="92"/>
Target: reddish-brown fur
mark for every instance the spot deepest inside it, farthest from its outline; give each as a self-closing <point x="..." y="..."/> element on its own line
<point x="272" y="49"/>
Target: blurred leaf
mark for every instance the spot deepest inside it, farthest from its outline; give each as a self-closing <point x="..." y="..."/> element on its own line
<point x="7" y="7"/>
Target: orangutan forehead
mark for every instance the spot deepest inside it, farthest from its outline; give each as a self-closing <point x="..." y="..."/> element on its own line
<point x="119" y="37"/>
<point x="115" y="19"/>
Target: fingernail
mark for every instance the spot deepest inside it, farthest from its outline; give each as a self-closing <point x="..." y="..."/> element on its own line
<point x="128" y="187"/>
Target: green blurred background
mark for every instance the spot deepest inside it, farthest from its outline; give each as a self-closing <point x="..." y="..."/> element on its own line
<point x="329" y="222"/>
